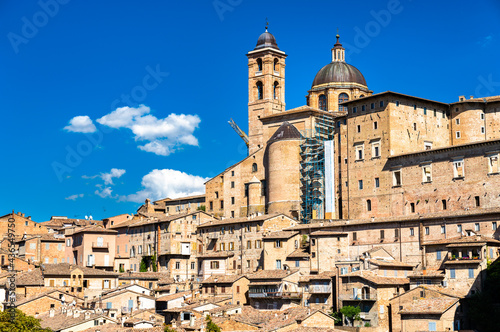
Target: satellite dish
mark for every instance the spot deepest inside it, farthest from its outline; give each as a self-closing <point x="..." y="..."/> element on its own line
<point x="90" y="218"/>
<point x="86" y="217"/>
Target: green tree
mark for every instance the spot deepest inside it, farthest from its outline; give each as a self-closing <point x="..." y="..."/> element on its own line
<point x="153" y="262"/>
<point x="201" y="208"/>
<point x="351" y="313"/>
<point x="337" y="316"/>
<point x="484" y="306"/>
<point x="168" y="328"/>
<point x="211" y="326"/>
<point x="21" y="322"/>
<point x="143" y="267"/>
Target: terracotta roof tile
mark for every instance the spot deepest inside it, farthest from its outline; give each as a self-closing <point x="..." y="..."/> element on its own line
<point x="216" y="254"/>
<point x="378" y="280"/>
<point x="64" y="269"/>
<point x="270" y="274"/>
<point x="429" y="306"/>
<point x="279" y="235"/>
<point x="230" y="221"/>
<point x="222" y="279"/>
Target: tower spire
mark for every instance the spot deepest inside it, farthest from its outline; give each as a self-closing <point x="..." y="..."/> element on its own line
<point x="267" y="24"/>
<point x="338" y="52"/>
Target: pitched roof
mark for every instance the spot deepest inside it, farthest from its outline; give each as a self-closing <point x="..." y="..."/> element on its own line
<point x="326" y="275"/>
<point x="230" y="221"/>
<point x="124" y="291"/>
<point x="174" y="296"/>
<point x="286" y="131"/>
<point x="270" y="274"/>
<point x="429" y="306"/>
<point x="222" y="279"/>
<point x="65" y="269"/>
<point x="62" y="321"/>
<point x="375" y="279"/>
<point x="299" y="253"/>
<point x="328" y="233"/>
<point x="389" y="263"/>
<point x="216" y="254"/>
<point x="94" y="229"/>
<point x="474" y="239"/>
<point x="30" y="278"/>
<point x="143" y="275"/>
<point x="279" y="235"/>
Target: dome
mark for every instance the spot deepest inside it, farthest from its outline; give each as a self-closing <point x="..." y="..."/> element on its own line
<point x="339" y="72"/>
<point x="266" y="40"/>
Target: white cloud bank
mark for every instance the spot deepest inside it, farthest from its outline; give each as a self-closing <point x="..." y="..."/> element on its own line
<point x="161" y="136"/>
<point x="74" y="197"/>
<point x="81" y="124"/>
<point x="114" y="173"/>
<point x="163" y="183"/>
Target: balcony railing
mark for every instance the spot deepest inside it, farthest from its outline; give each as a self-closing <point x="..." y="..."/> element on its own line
<point x="320" y="289"/>
<point x="363" y="297"/>
<point x="104" y="245"/>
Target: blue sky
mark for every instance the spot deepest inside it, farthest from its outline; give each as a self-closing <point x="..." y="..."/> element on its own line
<point x="74" y="74"/>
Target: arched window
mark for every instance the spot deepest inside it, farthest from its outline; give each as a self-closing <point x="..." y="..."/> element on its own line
<point x="322" y="102"/>
<point x="361" y="96"/>
<point x="259" y="64"/>
<point x="276" y="65"/>
<point x="254" y="167"/>
<point x="260" y="90"/>
<point x="275" y="90"/>
<point x="368" y="205"/>
<point x="342" y="98"/>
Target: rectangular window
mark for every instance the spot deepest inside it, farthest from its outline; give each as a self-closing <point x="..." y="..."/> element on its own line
<point x="444" y="204"/>
<point x="354" y="109"/>
<point x="193" y="265"/>
<point x="457" y="121"/>
<point x="297" y="263"/>
<point x="232" y="184"/>
<point x="432" y="326"/>
<point x="443" y="229"/>
<point x="483" y="130"/>
<point x="376" y="149"/>
<point x="396" y="178"/>
<point x="278" y="264"/>
<point x="414" y="106"/>
<point x="427" y="231"/>
<point x="438" y="255"/>
<point x="476" y="227"/>
<point x="221" y="204"/>
<point x="396" y="233"/>
<point x="375" y="125"/>
<point x="177" y="265"/>
<point x="452" y="273"/>
<point x="425" y="110"/>
<point x="382" y="103"/>
<point x="249" y="244"/>
<point x="412" y="207"/>
<point x="482" y="116"/>
<point x="354" y="236"/>
<point x="211" y="206"/>
<point x="257" y="244"/>
<point x="117" y="249"/>
<point x="459" y="228"/>
<point x="471" y="273"/>
<point x="427" y="145"/>
<point x="363" y="108"/>
<point x="368" y="205"/>
<point x="277" y="244"/>
<point x="359" y="151"/>
<point x="435" y="112"/>
<point x="458" y="168"/>
<point x="231" y="245"/>
<point x="412" y="232"/>
<point x="360" y="184"/>
<point x="372" y="105"/>
<point x="397" y="102"/>
<point x="214" y="264"/>
<point x="47" y="246"/>
<point x="382" y="234"/>
<point x="359" y="128"/>
<point x="494" y="225"/>
<point x="68" y="242"/>
<point x="426" y="173"/>
<point x="457" y="134"/>
<point x="232" y="200"/>
<point x="377" y="182"/>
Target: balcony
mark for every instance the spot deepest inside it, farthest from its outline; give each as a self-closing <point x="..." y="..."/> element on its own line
<point x="100" y="245"/>
<point x="320" y="289"/>
<point x="363" y="297"/>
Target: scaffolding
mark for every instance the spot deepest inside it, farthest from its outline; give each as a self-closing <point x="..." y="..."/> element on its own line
<point x="312" y="167"/>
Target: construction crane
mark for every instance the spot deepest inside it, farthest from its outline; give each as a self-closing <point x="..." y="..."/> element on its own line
<point x="239" y="131"/>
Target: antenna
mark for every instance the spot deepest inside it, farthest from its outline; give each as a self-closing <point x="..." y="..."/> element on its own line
<point x="86" y="217"/>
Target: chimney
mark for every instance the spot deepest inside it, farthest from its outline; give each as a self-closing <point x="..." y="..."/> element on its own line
<point x="29" y="217"/>
<point x="191" y="320"/>
<point x="76" y="313"/>
<point x="461" y="98"/>
<point x="51" y="312"/>
<point x="471" y="97"/>
<point x="87" y="314"/>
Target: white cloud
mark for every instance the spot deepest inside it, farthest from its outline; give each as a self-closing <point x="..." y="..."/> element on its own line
<point x="486" y="41"/>
<point x="106" y="192"/>
<point x="123" y="116"/>
<point x="162" y="135"/>
<point x="74" y="197"/>
<point x="162" y="183"/>
<point x="81" y="124"/>
<point x="114" y="173"/>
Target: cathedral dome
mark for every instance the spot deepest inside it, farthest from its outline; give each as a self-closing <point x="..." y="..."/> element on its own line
<point x="266" y="40"/>
<point x="338" y="72"/>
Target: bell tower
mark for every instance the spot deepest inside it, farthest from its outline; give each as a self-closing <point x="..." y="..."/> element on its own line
<point x="266" y="86"/>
